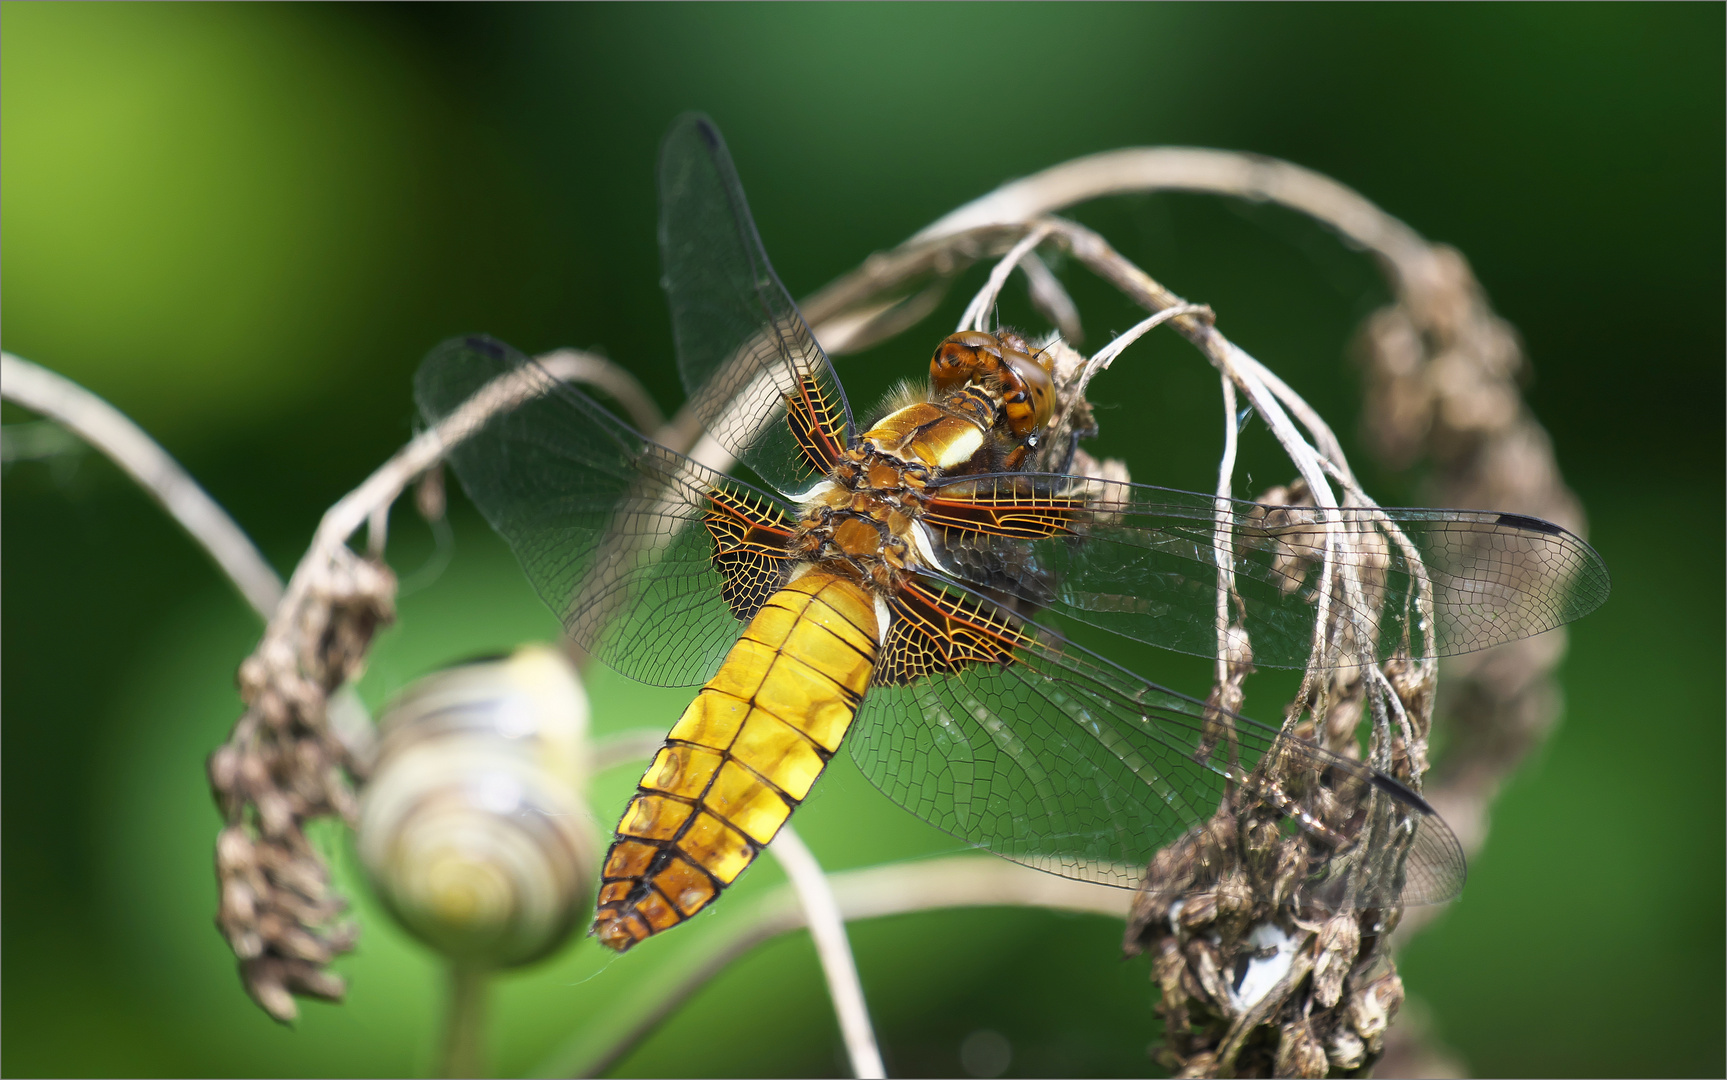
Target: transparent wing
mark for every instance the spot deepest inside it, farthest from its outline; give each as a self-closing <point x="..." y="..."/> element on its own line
<point x="1053" y="757"/>
<point x="607" y="524"/>
<point x="1142" y="562"/>
<point x="753" y="371"/>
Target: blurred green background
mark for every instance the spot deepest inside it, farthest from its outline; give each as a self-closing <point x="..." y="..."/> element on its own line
<point x="244" y="225"/>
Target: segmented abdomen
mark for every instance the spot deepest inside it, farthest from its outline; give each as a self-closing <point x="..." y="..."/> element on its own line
<point x="741" y="758"/>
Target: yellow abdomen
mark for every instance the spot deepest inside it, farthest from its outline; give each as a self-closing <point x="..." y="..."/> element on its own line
<point x="742" y="757"/>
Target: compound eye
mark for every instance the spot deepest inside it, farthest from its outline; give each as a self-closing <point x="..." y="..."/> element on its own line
<point x="1038" y="386"/>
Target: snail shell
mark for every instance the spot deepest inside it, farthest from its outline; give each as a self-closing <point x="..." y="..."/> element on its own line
<point x="473" y="828"/>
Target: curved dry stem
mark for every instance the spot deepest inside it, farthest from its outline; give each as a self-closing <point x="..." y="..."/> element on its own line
<point x="984" y="301"/>
<point x="125" y="443"/>
<point x="956" y="882"/>
<point x="1137" y="170"/>
<point x="1050" y="297"/>
<point x="827" y="928"/>
<point x="387" y="483"/>
<point x="1223" y="540"/>
<point x="1104" y="357"/>
<point x="593" y="370"/>
<point x="463" y="1052"/>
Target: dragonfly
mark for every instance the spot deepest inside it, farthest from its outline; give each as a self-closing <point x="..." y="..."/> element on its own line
<point x="906" y="587"/>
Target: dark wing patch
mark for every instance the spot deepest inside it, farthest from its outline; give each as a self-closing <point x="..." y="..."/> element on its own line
<point x="935" y="630"/>
<point x="997" y="508"/>
<point x="817" y="424"/>
<point x="750" y="535"/>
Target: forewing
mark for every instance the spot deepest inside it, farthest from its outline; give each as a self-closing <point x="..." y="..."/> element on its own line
<point x="1060" y="760"/>
<point x="755" y="376"/>
<point x="608" y="524"/>
<point x="1143" y="562"/>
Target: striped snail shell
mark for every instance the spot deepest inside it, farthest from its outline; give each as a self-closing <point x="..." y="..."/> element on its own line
<point x="473" y="827"/>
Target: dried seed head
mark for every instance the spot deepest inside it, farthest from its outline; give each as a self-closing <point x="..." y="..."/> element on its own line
<point x="1234" y="902"/>
<point x="281" y="768"/>
<point x="234" y="851"/>
<point x="272" y="981"/>
<point x="1192" y="989"/>
<point x="253" y="676"/>
<point x="1164" y="1054"/>
<point x="1167" y="970"/>
<point x="1372" y="1007"/>
<point x="1201" y="1064"/>
<point x="1212" y="988"/>
<point x="1289" y="867"/>
<point x="1261" y="840"/>
<point x="1171" y="873"/>
<point x="1299" y="1052"/>
<point x="314" y="981"/>
<point x="1339" y="941"/>
<point x="273" y="708"/>
<point x="1216" y="848"/>
<point x="1199" y="910"/>
<point x="1345" y="1049"/>
<point x="1344" y="715"/>
<point x="224" y="769"/>
<point x="266" y="982"/>
<point x="1327" y="806"/>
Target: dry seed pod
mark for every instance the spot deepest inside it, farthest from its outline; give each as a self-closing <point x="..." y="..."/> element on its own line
<point x="473" y="828"/>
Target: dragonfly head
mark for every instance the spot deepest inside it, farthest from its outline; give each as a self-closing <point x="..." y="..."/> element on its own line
<point x="1005" y="364"/>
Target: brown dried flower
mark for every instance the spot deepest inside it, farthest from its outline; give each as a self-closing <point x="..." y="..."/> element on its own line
<point x="1299" y="1052"/>
<point x="1339" y="941"/>
<point x="285" y="765"/>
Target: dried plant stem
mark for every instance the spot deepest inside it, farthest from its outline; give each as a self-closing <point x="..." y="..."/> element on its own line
<point x="957" y="882"/>
<point x="1215" y="172"/>
<point x="110" y="431"/>
<point x="387" y="483"/>
<point x="978" y="310"/>
<point x="384" y="486"/>
<point x="1223" y="539"/>
<point x="464" y="1049"/>
<point x="1265" y="391"/>
<point x="822" y="914"/>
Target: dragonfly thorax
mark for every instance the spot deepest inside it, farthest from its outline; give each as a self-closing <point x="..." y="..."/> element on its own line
<point x="943" y="434"/>
<point x="865" y="519"/>
<point x="988" y="398"/>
